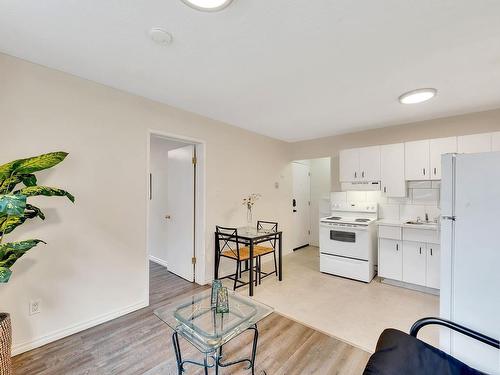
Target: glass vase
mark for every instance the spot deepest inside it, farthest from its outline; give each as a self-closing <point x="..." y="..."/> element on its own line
<point x="249" y="217"/>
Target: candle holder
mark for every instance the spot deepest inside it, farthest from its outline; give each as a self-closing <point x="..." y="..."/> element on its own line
<point x="222" y="305"/>
<point x="216" y="285"/>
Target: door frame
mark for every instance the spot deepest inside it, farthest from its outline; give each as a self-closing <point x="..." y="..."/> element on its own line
<point x="200" y="201"/>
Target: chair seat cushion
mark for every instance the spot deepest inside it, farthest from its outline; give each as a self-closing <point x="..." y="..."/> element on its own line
<point x="245" y="252"/>
<point x="399" y="353"/>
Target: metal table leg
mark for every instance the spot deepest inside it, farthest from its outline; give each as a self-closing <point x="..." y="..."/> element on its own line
<point x="250" y="281"/>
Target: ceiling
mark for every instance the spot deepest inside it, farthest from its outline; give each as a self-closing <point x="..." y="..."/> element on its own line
<point x="289" y="69"/>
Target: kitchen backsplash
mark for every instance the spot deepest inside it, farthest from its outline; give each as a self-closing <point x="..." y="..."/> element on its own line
<point x="423" y="197"/>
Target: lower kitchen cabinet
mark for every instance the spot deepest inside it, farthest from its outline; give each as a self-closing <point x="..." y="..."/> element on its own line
<point x="390" y="259"/>
<point x="414" y="262"/>
<point x="433" y="264"/>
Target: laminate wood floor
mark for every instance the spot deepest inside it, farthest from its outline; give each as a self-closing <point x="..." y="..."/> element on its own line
<point x="139" y="343"/>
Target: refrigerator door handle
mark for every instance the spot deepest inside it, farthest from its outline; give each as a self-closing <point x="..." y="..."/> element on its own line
<point x="452" y="218"/>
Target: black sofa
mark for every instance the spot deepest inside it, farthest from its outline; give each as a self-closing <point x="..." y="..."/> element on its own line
<point x="399" y="353"/>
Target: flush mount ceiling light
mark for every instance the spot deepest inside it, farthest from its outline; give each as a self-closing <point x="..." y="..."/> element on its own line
<point x="417" y="96"/>
<point x="208" y="5"/>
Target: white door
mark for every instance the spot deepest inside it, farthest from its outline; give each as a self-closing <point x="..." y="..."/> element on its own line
<point x="433" y="265"/>
<point x="349" y="165"/>
<point x="414" y="258"/>
<point x="417" y="160"/>
<point x="438" y="147"/>
<point x="495" y="141"/>
<point x="369" y="163"/>
<point x="392" y="170"/>
<point x="390" y="259"/>
<point x="469" y="144"/>
<point x="180" y="212"/>
<point x="300" y="204"/>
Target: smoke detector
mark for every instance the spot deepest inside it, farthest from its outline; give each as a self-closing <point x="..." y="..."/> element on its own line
<point x="160" y="36"/>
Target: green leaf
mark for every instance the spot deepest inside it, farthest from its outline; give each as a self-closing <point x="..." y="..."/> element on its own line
<point x="8" y="184"/>
<point x="31" y="191"/>
<point x="38" y="163"/>
<point x="33" y="211"/>
<point x="9" y="223"/>
<point x="11" y="252"/>
<point x="28" y="179"/>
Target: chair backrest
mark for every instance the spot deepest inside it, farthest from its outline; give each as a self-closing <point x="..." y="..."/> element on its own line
<point x="270" y="226"/>
<point x="228" y="240"/>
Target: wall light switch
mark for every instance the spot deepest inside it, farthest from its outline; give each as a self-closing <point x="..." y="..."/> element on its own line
<point x="35" y="306"/>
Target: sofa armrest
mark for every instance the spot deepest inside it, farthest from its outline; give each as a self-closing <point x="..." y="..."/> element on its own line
<point x="456" y="327"/>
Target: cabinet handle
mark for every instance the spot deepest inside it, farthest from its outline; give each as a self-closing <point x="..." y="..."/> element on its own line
<point x="363" y="174"/>
<point x="431" y="252"/>
<point x="420" y="250"/>
<point x="355" y="174"/>
<point x="424" y="171"/>
<point x="435" y="171"/>
<point x="385" y="189"/>
<point x="397" y="247"/>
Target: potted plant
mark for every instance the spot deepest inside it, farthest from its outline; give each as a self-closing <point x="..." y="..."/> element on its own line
<point x="17" y="183"/>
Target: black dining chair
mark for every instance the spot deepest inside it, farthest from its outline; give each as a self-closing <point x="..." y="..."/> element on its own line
<point x="231" y="246"/>
<point x="269" y="247"/>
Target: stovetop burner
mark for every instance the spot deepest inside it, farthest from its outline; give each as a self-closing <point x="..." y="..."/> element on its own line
<point x="362" y="220"/>
<point x="334" y="218"/>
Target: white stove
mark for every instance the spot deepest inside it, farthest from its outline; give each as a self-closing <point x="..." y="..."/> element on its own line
<point x="348" y="241"/>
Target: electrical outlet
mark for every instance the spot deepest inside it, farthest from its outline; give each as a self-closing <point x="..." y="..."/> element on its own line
<point x="35" y="306"/>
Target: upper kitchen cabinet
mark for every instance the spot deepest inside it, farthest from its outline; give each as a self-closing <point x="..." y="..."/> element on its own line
<point x="495" y="141"/>
<point x="359" y="164"/>
<point x="417" y="160"/>
<point x="474" y="143"/>
<point x="369" y="163"/>
<point x="392" y="170"/>
<point x="438" y="147"/>
<point x="349" y="165"/>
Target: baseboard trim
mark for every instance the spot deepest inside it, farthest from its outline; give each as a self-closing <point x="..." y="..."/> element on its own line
<point x="159" y="261"/>
<point x="417" y="288"/>
<point x="59" y="334"/>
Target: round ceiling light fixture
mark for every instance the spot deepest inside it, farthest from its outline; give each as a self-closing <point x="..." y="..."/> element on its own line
<point x="417" y="96"/>
<point x="208" y="5"/>
<point x="160" y="36"/>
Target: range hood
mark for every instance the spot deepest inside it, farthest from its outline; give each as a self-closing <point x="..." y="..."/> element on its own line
<point x="360" y="186"/>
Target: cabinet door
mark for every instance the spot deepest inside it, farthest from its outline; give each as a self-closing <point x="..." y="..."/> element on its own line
<point x="392" y="170"/>
<point x="390" y="259"/>
<point x="349" y="165"/>
<point x="414" y="262"/>
<point x="433" y="264"/>
<point x="437" y="148"/>
<point x="369" y="163"/>
<point x="417" y="160"/>
<point x="474" y="143"/>
<point x="495" y="141"/>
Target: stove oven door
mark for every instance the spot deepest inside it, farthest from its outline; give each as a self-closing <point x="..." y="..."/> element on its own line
<point x="349" y="242"/>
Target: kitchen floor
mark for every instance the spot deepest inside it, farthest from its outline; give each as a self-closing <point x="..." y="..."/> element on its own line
<point x="352" y="311"/>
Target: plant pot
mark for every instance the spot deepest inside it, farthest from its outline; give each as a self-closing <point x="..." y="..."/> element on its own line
<point x="5" y="344"/>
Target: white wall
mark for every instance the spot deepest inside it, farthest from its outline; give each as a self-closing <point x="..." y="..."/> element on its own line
<point x="158" y="208"/>
<point x="94" y="266"/>
<point x="320" y="194"/>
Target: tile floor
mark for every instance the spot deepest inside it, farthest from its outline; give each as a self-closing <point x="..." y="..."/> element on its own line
<point x="352" y="311"/>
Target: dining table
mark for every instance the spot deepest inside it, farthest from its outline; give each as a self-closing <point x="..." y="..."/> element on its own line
<point x="251" y="236"/>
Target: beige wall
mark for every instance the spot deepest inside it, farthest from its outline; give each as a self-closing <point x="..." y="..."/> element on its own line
<point x="94" y="265"/>
<point x="480" y="122"/>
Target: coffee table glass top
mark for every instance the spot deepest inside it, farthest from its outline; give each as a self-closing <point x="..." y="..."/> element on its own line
<point x="196" y="320"/>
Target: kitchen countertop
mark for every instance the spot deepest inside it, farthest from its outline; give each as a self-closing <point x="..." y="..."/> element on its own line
<point x="402" y="224"/>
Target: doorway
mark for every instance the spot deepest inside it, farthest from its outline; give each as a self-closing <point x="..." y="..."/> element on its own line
<point x="175" y="205"/>
<point x="311" y="199"/>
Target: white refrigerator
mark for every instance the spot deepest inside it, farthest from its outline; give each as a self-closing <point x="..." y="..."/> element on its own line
<point x="470" y="255"/>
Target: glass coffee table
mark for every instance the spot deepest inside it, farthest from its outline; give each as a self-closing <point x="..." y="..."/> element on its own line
<point x="195" y="320"/>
